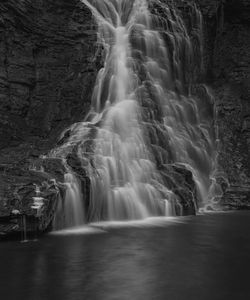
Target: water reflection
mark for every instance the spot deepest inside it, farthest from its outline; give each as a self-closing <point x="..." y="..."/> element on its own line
<point x="206" y="257"/>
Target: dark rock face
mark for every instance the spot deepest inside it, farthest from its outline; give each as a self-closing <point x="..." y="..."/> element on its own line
<point x="228" y="55"/>
<point x="19" y="191"/>
<point x="47" y="67"/>
<point x="227" y="71"/>
<point x="49" y="59"/>
<point x="180" y="181"/>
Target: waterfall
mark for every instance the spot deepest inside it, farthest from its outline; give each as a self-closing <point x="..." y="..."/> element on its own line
<point x="70" y="210"/>
<point x="145" y="114"/>
<point x="74" y="215"/>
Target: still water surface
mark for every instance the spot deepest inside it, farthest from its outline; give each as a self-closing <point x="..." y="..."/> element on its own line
<point x="202" y="257"/>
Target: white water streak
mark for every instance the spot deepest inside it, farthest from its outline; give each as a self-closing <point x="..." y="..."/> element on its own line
<point x="143" y="113"/>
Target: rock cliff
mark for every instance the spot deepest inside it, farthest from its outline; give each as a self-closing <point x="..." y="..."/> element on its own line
<point x="49" y="59"/>
<point x="227" y="31"/>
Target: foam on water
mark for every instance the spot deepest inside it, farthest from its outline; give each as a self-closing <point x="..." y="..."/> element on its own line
<point x="148" y="222"/>
<point x="104" y="227"/>
<point x="79" y="230"/>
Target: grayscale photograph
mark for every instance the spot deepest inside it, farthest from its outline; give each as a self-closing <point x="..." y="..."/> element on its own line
<point x="124" y="149"/>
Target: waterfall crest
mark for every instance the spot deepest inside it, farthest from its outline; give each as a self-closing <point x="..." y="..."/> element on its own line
<point x="144" y="114"/>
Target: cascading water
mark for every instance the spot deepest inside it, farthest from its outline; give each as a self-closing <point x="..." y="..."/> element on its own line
<point x="73" y="201"/>
<point x="70" y="212"/>
<point x="143" y="114"/>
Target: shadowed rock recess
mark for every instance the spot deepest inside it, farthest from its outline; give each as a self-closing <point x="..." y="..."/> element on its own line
<point x="49" y="60"/>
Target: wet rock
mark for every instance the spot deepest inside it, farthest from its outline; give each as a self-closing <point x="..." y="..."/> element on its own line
<point x="236" y="198"/>
<point x="230" y="75"/>
<point x="48" y="66"/>
<point x="180" y="181"/>
<point x="20" y="175"/>
<point x="21" y="188"/>
<point x="226" y="59"/>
